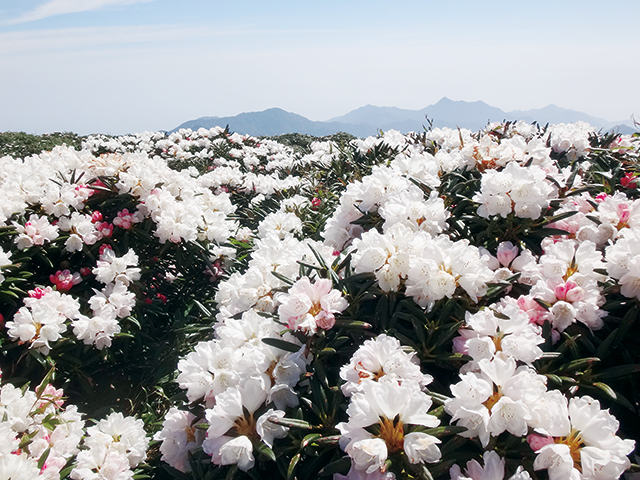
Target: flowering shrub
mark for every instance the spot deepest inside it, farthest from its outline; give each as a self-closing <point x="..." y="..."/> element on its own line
<point x="443" y="305"/>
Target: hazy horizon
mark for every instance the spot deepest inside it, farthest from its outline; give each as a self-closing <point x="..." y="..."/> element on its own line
<point x="117" y="66"/>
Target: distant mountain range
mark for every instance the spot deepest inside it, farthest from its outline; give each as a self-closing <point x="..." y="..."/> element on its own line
<point x="369" y="120"/>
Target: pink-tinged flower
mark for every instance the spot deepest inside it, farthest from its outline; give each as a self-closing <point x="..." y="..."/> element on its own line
<point x="126" y="220"/>
<point x="309" y="306"/>
<point x="85" y="271"/>
<point x="382" y="357"/>
<point x="105" y="229"/>
<point x="601" y="197"/>
<point x="535" y="311"/>
<point x="36" y="231"/>
<point x="40" y="292"/>
<point x="628" y="180"/>
<point x="569" y="292"/>
<point x="64" y="280"/>
<point x="51" y="395"/>
<point x="104" y="247"/>
<point x="316" y="202"/>
<point x="507" y="252"/>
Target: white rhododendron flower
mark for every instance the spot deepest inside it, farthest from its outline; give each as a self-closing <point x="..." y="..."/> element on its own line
<point x="523" y="190"/>
<point x="380" y="357"/>
<point x="230" y="412"/>
<point x="584" y="445"/>
<point x="392" y="408"/>
<point x="493" y="469"/>
<point x="623" y="262"/>
<point x="124" y="435"/>
<point x="501" y="396"/>
<point x="111" y="268"/>
<point x="308" y="306"/>
<point x="36" y="231"/>
<point x="441" y="266"/>
<point x="503" y="327"/>
<point x="5" y="260"/>
<point x="179" y="436"/>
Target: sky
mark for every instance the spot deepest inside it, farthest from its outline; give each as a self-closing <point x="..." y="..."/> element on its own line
<point x="126" y="66"/>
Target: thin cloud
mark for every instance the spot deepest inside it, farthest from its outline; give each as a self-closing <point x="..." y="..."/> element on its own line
<point x="61" y="7"/>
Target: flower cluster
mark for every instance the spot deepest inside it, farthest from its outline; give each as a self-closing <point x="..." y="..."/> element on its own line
<point x="42" y="438"/>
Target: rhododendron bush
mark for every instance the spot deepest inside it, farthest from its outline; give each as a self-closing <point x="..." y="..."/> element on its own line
<point x="438" y="305"/>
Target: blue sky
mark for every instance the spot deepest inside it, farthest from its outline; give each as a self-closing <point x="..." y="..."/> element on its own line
<point x="118" y="66"/>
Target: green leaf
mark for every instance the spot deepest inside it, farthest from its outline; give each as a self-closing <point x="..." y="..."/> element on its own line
<point x="310" y="439"/>
<point x="445" y="430"/>
<point x="282" y="278"/>
<point x="606" y="389"/>
<point x="546" y="305"/>
<point x="329" y="440"/>
<point x="423" y="472"/>
<point x="578" y="364"/>
<point x="327" y="351"/>
<point x="619" y="371"/>
<point x="291" y="423"/>
<point x="202" y="308"/>
<point x="264" y="450"/>
<point x="339" y="466"/>
<point x="281" y="344"/>
<point x="554" y="378"/>
<point x="354" y="324"/>
<point x="43" y="458"/>
<point x="292" y="466"/>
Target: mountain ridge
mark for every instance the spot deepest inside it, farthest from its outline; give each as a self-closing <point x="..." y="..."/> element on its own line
<point x="370" y="119"/>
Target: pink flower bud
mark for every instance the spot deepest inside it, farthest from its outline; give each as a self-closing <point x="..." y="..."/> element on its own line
<point x="562" y="289"/>
<point x="536" y="442"/>
<point x="325" y="320"/>
<point x="623" y="212"/>
<point x="507" y="252"/>
<point x="460" y="345"/>
<point x="104" y="247"/>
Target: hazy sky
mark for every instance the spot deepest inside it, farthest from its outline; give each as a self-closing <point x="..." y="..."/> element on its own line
<point x="119" y="66"/>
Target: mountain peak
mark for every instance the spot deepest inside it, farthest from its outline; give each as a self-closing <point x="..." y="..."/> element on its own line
<point x="370" y="119"/>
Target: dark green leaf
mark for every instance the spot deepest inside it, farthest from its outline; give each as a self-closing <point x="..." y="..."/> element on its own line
<point x="281" y="344"/>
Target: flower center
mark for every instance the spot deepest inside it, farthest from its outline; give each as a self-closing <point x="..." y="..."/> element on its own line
<point x="315" y="309"/>
<point x="392" y="433"/>
<point x="574" y="441"/>
<point x="497" y="341"/>
<point x="191" y="434"/>
<point x="493" y="399"/>
<point x="246" y="427"/>
<point x="573" y="268"/>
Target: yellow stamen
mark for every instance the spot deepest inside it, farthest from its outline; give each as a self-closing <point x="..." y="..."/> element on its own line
<point x="392" y="434"/>
<point x="574" y="441"/>
<point x="493" y="399"/>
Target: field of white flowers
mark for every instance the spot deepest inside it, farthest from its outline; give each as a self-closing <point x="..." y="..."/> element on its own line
<point x="438" y="305"/>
